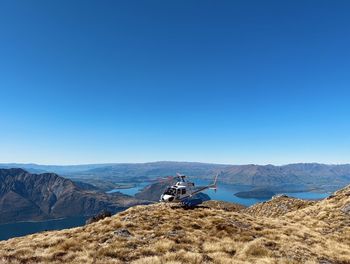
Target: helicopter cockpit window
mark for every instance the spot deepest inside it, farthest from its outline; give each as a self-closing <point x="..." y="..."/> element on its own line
<point x="178" y="191"/>
<point x="170" y="191"/>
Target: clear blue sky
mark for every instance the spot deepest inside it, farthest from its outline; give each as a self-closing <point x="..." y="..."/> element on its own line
<point x="212" y="81"/>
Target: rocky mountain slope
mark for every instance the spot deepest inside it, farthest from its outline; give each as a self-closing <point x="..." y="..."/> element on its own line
<point x="316" y="232"/>
<point x="25" y="196"/>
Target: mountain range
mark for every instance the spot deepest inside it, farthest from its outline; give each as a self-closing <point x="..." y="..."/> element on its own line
<point x="27" y="197"/>
<point x="292" y="177"/>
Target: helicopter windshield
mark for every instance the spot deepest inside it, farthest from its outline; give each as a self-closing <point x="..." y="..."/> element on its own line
<point x="170" y="191"/>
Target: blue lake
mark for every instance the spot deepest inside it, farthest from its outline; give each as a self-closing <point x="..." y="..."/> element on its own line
<point x="25" y="228"/>
<point x="308" y="195"/>
<point x="131" y="191"/>
<point x="225" y="192"/>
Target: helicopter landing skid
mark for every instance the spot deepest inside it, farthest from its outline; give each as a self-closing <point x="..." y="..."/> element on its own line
<point x="190" y="203"/>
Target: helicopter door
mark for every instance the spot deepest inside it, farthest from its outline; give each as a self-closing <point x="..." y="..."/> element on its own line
<point x="178" y="192"/>
<point x="183" y="191"/>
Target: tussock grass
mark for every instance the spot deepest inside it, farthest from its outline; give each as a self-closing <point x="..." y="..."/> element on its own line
<point x="279" y="231"/>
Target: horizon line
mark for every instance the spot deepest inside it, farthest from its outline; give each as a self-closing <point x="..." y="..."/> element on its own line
<point x="169" y="161"/>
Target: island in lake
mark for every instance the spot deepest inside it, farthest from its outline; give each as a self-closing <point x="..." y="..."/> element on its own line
<point x="257" y="193"/>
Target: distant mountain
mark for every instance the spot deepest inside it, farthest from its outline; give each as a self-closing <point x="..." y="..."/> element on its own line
<point x="287" y="178"/>
<point x="123" y="170"/>
<point x="25" y="196"/>
<point x="141" y="171"/>
<point x="292" y="177"/>
<point x="309" y="175"/>
<point x="60" y="169"/>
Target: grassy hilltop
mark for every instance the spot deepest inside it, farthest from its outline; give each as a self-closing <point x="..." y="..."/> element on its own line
<point x="283" y="230"/>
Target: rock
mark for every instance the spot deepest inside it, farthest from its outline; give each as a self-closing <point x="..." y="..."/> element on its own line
<point x="325" y="261"/>
<point x="279" y="195"/>
<point x="331" y="197"/>
<point x="239" y="224"/>
<point x="175" y="233"/>
<point x="346" y="209"/>
<point x="122" y="232"/>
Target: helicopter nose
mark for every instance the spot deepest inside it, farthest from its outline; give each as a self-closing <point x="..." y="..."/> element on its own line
<point x="167" y="198"/>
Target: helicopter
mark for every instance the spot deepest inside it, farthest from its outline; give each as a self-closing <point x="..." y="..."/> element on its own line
<point x="183" y="191"/>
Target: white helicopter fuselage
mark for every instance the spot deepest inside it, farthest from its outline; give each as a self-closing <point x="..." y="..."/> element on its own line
<point x="183" y="190"/>
<point x="177" y="192"/>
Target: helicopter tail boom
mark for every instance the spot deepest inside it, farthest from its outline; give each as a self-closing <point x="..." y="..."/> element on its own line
<point x="214" y="186"/>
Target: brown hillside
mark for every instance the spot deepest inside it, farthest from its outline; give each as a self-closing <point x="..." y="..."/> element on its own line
<point x="161" y="233"/>
<point x="278" y="206"/>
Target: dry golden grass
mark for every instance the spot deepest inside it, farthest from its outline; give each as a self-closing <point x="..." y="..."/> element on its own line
<point x="317" y="232"/>
<point x="277" y="207"/>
